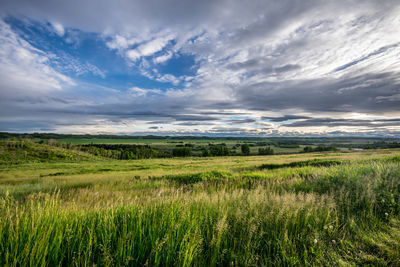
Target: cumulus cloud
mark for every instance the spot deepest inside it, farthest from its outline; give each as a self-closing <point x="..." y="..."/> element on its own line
<point x="58" y="28"/>
<point x="119" y="42"/>
<point x="163" y="58"/>
<point x="144" y="50"/>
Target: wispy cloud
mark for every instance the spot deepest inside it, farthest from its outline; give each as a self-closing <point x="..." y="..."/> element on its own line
<point x="24" y="69"/>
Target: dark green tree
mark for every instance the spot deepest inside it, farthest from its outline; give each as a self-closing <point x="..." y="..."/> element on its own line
<point x="245" y="149"/>
<point x="182" y="152"/>
<point x="265" y="151"/>
<point x="219" y="150"/>
<point x="206" y="152"/>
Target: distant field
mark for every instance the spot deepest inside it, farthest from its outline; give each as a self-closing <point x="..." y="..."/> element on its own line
<point x="70" y="208"/>
<point x="142" y="141"/>
<point x="107" y="141"/>
<point x="169" y="144"/>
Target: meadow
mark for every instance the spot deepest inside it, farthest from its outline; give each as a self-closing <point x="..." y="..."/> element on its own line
<point x="61" y="207"/>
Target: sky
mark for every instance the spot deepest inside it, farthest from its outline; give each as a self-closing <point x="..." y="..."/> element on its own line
<point x="210" y="67"/>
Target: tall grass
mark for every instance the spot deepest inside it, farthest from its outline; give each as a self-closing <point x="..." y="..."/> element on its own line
<point x="300" y="215"/>
<point x="239" y="228"/>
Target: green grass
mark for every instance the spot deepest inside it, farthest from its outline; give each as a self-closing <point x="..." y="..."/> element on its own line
<point x="283" y="210"/>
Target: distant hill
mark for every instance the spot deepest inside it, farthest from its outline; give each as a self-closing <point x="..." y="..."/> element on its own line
<point x="281" y="139"/>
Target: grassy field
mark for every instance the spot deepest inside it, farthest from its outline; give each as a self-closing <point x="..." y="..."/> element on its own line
<point x="295" y="210"/>
<point x="169" y="144"/>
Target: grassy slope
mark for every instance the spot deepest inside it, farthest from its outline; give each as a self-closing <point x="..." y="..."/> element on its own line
<point x="202" y="211"/>
<point x="12" y="152"/>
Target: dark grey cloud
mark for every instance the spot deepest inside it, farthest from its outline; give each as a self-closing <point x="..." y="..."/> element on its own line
<point x="22" y="126"/>
<point x="248" y="64"/>
<point x="194" y="118"/>
<point x="42" y="100"/>
<point x="221" y="129"/>
<point x="369" y="93"/>
<point x="242" y="121"/>
<point x="222" y="113"/>
<point x="194" y="123"/>
<point x="157" y="122"/>
<point x="288" y="67"/>
<point x="329" y="122"/>
<point x="263" y="66"/>
<point x="122" y="15"/>
<point x="284" y="118"/>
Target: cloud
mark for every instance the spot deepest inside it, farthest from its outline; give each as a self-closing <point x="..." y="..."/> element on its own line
<point x="242" y="121"/>
<point x="153" y="46"/>
<point x="283" y="62"/>
<point x="119" y="42"/>
<point x="287" y="68"/>
<point x="149" y="48"/>
<point x="284" y="118"/>
<point x="325" y="94"/>
<point x="58" y="28"/>
<point x="133" y="54"/>
<point x="162" y="58"/>
<point x="194" y="123"/>
<point x="136" y="91"/>
<point x="24" y="69"/>
<point x="377" y="52"/>
<point x="194" y="118"/>
<point x="329" y="122"/>
<point x="66" y="63"/>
